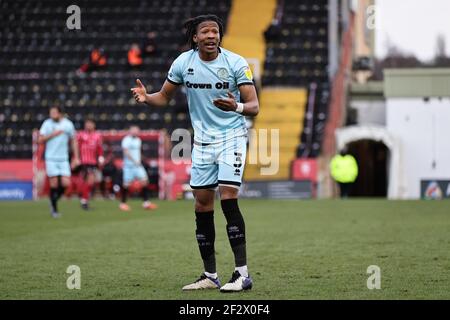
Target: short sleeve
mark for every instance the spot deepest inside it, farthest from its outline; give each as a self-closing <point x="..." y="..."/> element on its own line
<point x="175" y="74"/>
<point x="243" y="73"/>
<point x="100" y="140"/>
<point x="125" y="143"/>
<point x="100" y="145"/>
<point x="45" y="128"/>
<point x="71" y="129"/>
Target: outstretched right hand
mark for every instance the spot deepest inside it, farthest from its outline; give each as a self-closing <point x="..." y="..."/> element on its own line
<point x="139" y="93"/>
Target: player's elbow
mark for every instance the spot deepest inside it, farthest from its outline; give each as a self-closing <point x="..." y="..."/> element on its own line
<point x="255" y="110"/>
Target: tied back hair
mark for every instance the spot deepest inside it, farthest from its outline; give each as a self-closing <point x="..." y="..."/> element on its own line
<point x="192" y="24"/>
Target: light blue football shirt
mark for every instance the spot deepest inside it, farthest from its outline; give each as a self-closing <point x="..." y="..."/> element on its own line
<point x="57" y="148"/>
<point x="208" y="80"/>
<point x="133" y="145"/>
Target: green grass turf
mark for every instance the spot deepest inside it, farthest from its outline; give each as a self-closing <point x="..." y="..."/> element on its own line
<point x="296" y="250"/>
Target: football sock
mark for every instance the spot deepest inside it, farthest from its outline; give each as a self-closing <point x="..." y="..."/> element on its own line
<point x="124" y="194"/>
<point x="86" y="191"/>
<point x="145" y="193"/>
<point x="53" y="195"/>
<point x="242" y="270"/>
<point x="206" y="236"/>
<point x="61" y="188"/>
<point x="61" y="191"/>
<point x="211" y="275"/>
<point x="235" y="230"/>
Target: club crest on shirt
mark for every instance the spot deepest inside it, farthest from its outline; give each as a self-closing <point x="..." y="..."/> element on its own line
<point x="222" y="73"/>
<point x="248" y="73"/>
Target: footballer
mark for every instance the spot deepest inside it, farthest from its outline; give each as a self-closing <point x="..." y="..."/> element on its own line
<point x="133" y="169"/>
<point x="220" y="92"/>
<point x="91" y="156"/>
<point x="57" y="133"/>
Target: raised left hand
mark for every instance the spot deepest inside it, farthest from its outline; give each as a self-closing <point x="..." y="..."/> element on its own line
<point x="226" y="104"/>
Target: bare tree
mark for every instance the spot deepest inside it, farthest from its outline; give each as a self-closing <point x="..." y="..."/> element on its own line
<point x="440" y="46"/>
<point x="441" y="59"/>
<point x="395" y="58"/>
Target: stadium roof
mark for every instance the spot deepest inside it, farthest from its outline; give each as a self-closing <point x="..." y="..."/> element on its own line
<point x="417" y="83"/>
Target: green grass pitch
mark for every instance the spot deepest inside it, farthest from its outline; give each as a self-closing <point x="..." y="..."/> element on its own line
<point x="296" y="250"/>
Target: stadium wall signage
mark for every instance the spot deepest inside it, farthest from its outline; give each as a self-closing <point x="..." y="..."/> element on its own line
<point x="434" y="189"/>
<point x="277" y="189"/>
<point x="16" y="190"/>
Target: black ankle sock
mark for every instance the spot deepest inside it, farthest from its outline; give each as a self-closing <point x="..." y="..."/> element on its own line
<point x="235" y="230"/>
<point x="124" y="194"/>
<point x="145" y="193"/>
<point x="53" y="195"/>
<point x="61" y="191"/>
<point x="206" y="235"/>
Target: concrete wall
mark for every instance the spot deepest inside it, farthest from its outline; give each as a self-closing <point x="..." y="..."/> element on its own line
<point x="423" y="131"/>
<point x="370" y="112"/>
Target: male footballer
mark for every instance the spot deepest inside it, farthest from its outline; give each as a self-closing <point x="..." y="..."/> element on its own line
<point x="56" y="133"/>
<point x="91" y="153"/>
<point x="220" y="92"/>
<point x="133" y="169"/>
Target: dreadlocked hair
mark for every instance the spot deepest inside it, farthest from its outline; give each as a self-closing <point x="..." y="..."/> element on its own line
<point x="192" y="24"/>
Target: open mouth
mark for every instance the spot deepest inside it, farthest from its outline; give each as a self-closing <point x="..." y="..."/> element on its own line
<point x="210" y="45"/>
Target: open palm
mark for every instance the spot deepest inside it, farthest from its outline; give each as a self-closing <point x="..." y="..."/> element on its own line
<point x="139" y="92"/>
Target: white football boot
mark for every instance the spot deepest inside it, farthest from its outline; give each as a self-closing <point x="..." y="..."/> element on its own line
<point x="237" y="283"/>
<point x="204" y="282"/>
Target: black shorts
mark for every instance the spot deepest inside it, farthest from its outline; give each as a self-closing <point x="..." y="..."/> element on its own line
<point x="84" y="169"/>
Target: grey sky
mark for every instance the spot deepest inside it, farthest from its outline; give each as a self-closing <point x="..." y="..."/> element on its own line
<point x="412" y="25"/>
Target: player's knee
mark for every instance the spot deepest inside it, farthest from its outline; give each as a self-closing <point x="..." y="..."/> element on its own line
<point x="204" y="200"/>
<point x="53" y="182"/>
<point x="203" y="204"/>
<point x="228" y="193"/>
<point x="91" y="179"/>
<point x="65" y="182"/>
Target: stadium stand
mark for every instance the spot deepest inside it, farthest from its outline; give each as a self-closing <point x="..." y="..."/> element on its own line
<point x="44" y="63"/>
<point x="295" y="82"/>
<point x="248" y="38"/>
<point x="284" y="110"/>
<point x="40" y="62"/>
<point x="297" y="56"/>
